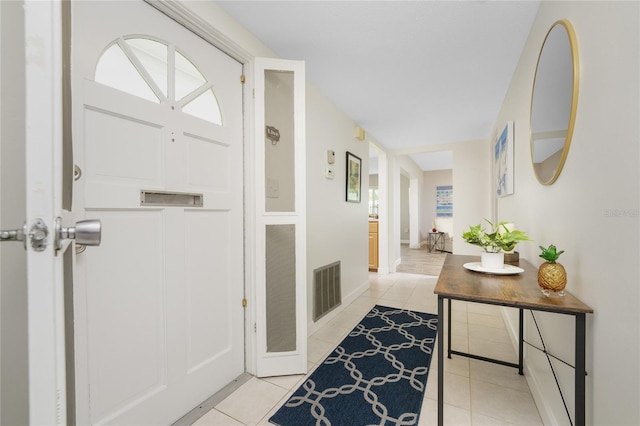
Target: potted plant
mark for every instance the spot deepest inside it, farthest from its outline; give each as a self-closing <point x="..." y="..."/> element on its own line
<point x="494" y="242"/>
<point x="552" y="277"/>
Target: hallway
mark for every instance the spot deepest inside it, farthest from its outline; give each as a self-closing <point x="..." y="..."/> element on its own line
<point x="475" y="393"/>
<point x="420" y="261"/>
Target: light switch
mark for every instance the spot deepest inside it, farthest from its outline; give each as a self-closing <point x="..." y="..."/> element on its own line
<point x="331" y="156"/>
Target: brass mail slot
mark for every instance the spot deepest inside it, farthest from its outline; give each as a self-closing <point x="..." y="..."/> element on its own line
<point x="163" y="198"/>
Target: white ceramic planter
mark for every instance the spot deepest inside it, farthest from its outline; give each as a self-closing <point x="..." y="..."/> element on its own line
<point x="492" y="260"/>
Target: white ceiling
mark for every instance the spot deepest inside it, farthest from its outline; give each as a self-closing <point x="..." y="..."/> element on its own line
<point x="412" y="73"/>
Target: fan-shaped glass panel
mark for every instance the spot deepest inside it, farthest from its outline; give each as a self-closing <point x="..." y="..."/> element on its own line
<point x="188" y="78"/>
<point x="153" y="56"/>
<point x="116" y="70"/>
<point x="205" y="107"/>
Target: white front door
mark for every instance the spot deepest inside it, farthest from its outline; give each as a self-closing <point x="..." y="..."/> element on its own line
<point x="158" y="139"/>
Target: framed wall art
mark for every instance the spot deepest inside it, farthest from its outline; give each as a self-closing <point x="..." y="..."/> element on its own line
<point x="354" y="178"/>
<point x="503" y="161"/>
<point x="444" y="201"/>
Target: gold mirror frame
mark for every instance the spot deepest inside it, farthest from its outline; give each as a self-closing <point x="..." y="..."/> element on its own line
<point x="573" y="44"/>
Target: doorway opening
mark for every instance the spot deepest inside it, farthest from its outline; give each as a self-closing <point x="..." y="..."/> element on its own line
<point x="429" y="198"/>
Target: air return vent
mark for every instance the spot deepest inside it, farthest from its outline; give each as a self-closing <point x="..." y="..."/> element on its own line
<point x="327" y="293"/>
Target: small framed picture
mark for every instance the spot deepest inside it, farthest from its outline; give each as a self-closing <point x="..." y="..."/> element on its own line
<point x="503" y="161"/>
<point x="354" y="178"/>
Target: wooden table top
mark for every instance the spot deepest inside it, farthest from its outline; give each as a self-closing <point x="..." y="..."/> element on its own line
<point x="519" y="290"/>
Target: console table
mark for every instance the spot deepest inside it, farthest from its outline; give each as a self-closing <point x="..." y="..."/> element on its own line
<point x="435" y="241"/>
<point x="519" y="291"/>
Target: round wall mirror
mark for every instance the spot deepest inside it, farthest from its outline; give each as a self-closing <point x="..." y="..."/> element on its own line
<point x="554" y="102"/>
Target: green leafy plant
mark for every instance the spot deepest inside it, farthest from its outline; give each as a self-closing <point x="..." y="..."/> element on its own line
<point x="498" y="238"/>
<point x="550" y="254"/>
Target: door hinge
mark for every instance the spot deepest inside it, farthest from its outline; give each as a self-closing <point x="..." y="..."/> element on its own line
<point x="244" y="302"/>
<point x="255" y="327"/>
<point x="242" y="79"/>
<point x="254" y="93"/>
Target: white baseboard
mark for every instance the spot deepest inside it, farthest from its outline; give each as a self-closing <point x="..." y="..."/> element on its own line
<point x="312" y="327"/>
<point x="394" y="267"/>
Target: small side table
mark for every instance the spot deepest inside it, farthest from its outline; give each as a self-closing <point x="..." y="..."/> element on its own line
<point x="520" y="291"/>
<point x="435" y="241"/>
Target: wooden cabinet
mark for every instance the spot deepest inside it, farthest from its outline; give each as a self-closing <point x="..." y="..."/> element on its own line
<point x="373" y="246"/>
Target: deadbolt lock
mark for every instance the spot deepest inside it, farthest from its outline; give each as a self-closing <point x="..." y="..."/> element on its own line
<point x="37" y="234"/>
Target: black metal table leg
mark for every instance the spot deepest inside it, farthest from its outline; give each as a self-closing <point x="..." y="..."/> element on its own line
<point x="449" y="328"/>
<point x="441" y="360"/>
<point x="580" y="369"/>
<point x="521" y="342"/>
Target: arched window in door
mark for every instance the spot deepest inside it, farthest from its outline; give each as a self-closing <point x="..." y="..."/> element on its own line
<point x="160" y="73"/>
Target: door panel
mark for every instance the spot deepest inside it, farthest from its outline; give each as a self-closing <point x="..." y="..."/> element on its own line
<point x="123" y="150"/>
<point x="161" y="306"/>
<point x="207" y="163"/>
<point x="136" y="351"/>
<point x="207" y="305"/>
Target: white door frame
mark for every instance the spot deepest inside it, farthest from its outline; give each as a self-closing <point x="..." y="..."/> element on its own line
<point x="47" y="381"/>
<point x="414" y="212"/>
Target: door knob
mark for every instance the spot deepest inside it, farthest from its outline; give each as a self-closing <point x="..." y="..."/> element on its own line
<point x="86" y="232"/>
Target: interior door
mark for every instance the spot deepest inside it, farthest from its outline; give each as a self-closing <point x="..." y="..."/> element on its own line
<point x="158" y="145"/>
<point x="281" y="282"/>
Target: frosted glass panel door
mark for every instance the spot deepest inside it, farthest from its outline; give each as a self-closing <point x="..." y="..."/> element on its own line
<point x="279" y="145"/>
<point x="281" y="288"/>
<point x="281" y="308"/>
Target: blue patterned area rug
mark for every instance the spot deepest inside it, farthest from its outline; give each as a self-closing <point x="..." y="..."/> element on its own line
<point x="376" y="376"/>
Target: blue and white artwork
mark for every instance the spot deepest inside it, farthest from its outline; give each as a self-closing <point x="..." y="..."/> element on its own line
<point x="444" y="201"/>
<point x="503" y="161"/>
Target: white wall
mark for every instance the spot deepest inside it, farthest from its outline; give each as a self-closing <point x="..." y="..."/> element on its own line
<point x="404" y="209"/>
<point x="336" y="230"/>
<point x="385" y="214"/>
<point x="471" y="190"/>
<point x="591" y="211"/>
<point x="13" y="282"/>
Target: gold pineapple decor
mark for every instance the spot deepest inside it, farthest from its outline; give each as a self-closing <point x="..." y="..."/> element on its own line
<point x="552" y="278"/>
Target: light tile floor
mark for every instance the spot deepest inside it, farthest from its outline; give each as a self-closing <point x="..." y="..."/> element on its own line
<point x="476" y="392"/>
